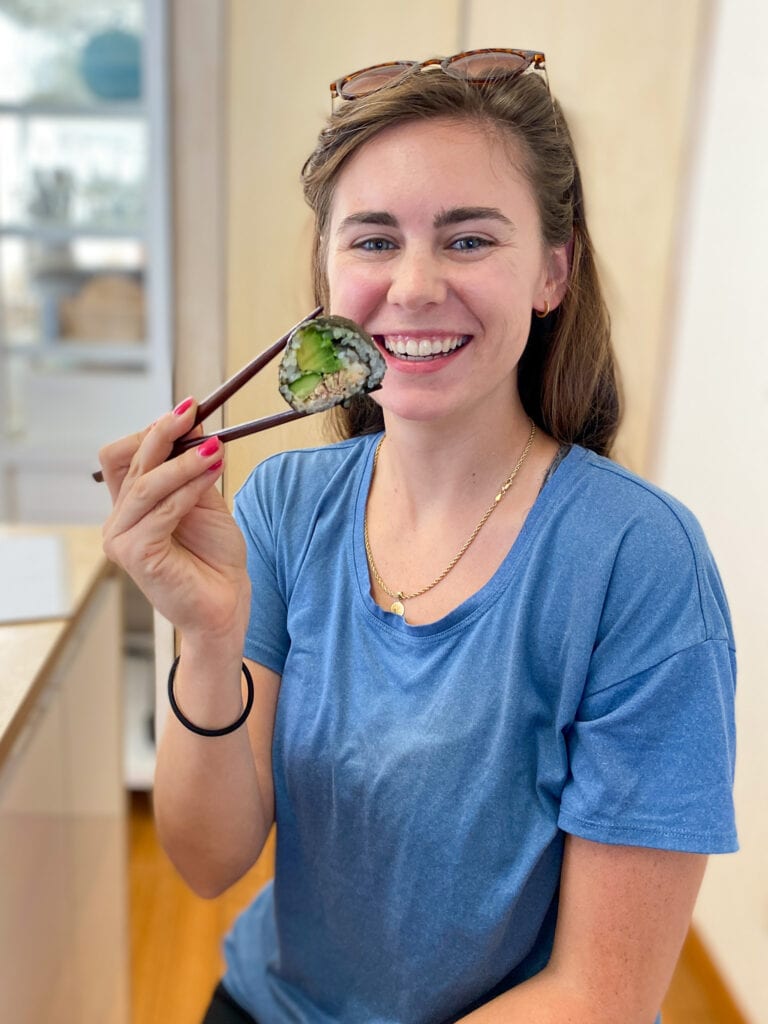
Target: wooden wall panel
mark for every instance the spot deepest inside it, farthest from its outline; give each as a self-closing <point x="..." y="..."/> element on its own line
<point x="198" y="86"/>
<point x="626" y="76"/>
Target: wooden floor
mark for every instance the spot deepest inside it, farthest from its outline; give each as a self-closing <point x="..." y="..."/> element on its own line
<point x="176" y="937"/>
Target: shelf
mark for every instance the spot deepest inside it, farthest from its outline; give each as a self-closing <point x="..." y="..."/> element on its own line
<point x="82" y="353"/>
<point x="86" y="285"/>
<point x="56" y="233"/>
<point x="41" y="454"/>
<point x="49" y="108"/>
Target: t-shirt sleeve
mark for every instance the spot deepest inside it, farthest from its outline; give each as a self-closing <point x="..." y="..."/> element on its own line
<point x="651" y="758"/>
<point x="267" y="639"/>
<point x="651" y="748"/>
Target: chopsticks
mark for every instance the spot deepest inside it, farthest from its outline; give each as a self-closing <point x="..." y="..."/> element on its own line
<point x="229" y="388"/>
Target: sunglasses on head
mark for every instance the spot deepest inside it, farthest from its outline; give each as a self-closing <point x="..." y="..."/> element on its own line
<point x="476" y="66"/>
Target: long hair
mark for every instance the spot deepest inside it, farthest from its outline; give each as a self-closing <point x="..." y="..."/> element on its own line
<point x="567" y="376"/>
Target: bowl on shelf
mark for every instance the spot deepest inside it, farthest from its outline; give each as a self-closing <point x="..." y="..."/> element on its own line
<point x="111" y="65"/>
<point x="109" y="307"/>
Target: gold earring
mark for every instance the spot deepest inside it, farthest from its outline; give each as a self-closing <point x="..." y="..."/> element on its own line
<point x="545" y="313"/>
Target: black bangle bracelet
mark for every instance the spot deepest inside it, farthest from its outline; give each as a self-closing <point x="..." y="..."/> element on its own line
<point x="198" y="729"/>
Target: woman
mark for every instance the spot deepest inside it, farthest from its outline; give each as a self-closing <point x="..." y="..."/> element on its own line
<point x="493" y="671"/>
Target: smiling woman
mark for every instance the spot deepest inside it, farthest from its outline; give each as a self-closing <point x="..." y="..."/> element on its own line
<point x="566" y="380"/>
<point x="494" y="794"/>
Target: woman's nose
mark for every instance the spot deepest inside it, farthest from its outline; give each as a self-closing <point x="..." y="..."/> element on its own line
<point x="417" y="280"/>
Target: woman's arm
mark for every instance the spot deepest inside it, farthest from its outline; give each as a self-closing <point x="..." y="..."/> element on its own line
<point x="172" y="532"/>
<point x="213" y="796"/>
<point x="623" y="915"/>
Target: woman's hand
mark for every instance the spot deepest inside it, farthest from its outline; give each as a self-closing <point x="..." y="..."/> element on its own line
<point x="171" y="531"/>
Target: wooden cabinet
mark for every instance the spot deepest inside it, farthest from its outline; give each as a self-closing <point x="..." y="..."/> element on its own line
<point x="64" y="935"/>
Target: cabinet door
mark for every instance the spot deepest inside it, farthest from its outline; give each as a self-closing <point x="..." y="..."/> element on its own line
<point x="35" y="875"/>
<point x="90" y="686"/>
<point x="63" y="846"/>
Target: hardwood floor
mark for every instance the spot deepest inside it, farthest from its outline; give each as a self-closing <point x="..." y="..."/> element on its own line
<point x="176" y="937"/>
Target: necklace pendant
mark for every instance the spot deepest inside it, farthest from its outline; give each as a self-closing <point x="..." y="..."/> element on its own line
<point x="398" y="608"/>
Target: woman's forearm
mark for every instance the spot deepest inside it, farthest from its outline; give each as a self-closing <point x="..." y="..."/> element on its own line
<point x="213" y="810"/>
<point x="545" y="999"/>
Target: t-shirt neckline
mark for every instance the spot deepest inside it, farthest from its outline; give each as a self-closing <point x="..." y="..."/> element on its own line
<point x="547" y="499"/>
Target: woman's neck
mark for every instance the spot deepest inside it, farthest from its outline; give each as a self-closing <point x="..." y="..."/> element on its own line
<point x="425" y="465"/>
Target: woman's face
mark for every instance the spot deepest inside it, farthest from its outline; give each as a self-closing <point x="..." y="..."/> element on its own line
<point x="434" y="247"/>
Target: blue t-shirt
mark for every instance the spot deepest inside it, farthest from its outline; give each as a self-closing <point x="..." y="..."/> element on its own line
<point x="425" y="775"/>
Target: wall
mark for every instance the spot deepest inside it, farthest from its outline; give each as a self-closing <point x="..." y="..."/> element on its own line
<point x="711" y="449"/>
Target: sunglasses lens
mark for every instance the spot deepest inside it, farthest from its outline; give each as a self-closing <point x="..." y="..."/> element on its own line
<point x="362" y="83"/>
<point x="487" y="66"/>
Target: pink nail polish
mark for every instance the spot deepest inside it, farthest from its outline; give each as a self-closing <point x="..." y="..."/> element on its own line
<point x="182" y="407"/>
<point x="215" y="466"/>
<point x="209" y="447"/>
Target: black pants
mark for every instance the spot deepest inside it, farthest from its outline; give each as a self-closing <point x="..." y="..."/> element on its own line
<point x="224" y="1010"/>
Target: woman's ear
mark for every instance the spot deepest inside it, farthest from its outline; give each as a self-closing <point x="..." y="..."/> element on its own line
<point x="556" y="282"/>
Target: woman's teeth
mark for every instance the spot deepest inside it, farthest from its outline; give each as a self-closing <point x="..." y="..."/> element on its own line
<point x="423" y="348"/>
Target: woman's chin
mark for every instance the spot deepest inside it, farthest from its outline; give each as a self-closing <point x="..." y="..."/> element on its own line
<point x="416" y="408"/>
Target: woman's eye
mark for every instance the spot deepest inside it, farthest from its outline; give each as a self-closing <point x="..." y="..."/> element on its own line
<point x="470" y="243"/>
<point x="375" y="244"/>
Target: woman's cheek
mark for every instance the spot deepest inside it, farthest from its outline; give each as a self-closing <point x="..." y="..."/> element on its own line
<point x="356" y="291"/>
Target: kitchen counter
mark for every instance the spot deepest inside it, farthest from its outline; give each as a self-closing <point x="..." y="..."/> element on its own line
<point x="28" y="648"/>
<point x="64" y="953"/>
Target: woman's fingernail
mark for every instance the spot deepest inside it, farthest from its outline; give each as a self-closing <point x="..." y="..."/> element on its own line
<point x="182" y="407"/>
<point x="215" y="466"/>
<point x="209" y="447"/>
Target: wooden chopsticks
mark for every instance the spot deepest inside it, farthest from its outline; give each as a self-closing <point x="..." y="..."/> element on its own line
<point x="229" y="388"/>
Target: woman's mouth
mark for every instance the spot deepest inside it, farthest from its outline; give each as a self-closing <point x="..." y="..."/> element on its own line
<point x="421" y="348"/>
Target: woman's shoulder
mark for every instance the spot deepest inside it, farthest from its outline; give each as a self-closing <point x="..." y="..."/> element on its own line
<point x="645" y="539"/>
<point x="623" y="497"/>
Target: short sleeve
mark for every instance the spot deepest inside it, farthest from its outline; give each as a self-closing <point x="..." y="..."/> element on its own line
<point x="651" y="745"/>
<point x="267" y="639"/>
<point x="652" y="757"/>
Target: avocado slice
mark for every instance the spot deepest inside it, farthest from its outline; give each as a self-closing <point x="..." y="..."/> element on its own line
<point x="305" y="385"/>
<point x="316" y="353"/>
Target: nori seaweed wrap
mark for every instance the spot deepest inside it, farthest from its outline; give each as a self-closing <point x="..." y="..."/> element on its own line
<point x="326" y="361"/>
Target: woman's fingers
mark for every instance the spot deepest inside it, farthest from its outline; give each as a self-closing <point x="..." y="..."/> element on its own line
<point x="115" y="460"/>
<point x="163" y="495"/>
<point x="158" y="441"/>
<point x="169" y="528"/>
<point x="137" y="453"/>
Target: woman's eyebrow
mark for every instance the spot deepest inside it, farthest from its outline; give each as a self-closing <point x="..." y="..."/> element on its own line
<point x="459" y="214"/>
<point x="380" y="217"/>
<point x="456" y="215"/>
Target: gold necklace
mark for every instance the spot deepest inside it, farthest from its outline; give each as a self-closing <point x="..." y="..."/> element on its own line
<point x="398" y="605"/>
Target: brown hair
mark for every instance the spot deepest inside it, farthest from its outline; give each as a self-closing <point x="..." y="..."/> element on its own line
<point x="567" y="376"/>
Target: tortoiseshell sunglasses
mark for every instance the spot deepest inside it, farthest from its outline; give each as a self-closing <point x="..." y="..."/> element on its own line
<point x="478" y="66"/>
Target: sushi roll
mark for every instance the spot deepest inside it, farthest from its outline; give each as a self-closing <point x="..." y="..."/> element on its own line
<point x="326" y="361"/>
